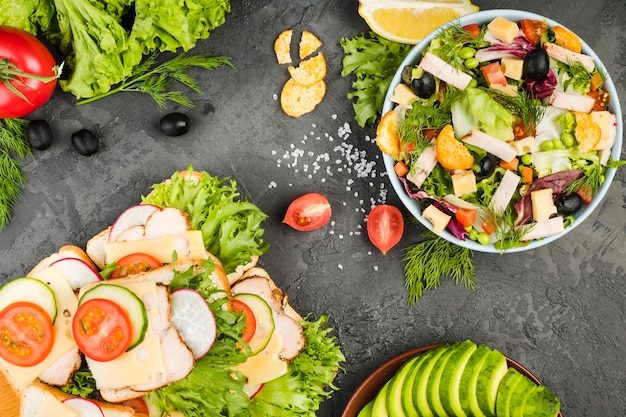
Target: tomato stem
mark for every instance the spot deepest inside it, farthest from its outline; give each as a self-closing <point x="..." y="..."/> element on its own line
<point x="11" y="75"/>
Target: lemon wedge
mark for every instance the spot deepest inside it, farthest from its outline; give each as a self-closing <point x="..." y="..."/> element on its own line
<point x="409" y="21"/>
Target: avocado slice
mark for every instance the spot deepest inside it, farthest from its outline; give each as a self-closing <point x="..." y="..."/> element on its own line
<point x="419" y="393"/>
<point x="467" y="386"/>
<point x="432" y="391"/>
<point x="542" y="403"/>
<point x="507" y="388"/>
<point x="491" y="373"/>
<point x="409" y="385"/>
<point x="449" y="386"/>
<point x="522" y="391"/>
<point x="394" y="393"/>
<point x="367" y="410"/>
<point x="379" y="406"/>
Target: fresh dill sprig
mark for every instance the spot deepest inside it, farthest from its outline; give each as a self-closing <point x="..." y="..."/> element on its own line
<point x="589" y="183"/>
<point x="422" y="116"/>
<point x="523" y="106"/>
<point x="503" y="223"/>
<point x="14" y="148"/>
<point x="433" y="258"/>
<point x="452" y="39"/>
<point x="157" y="79"/>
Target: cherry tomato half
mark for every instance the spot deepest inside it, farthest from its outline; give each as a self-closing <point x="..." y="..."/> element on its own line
<point x="102" y="329"/>
<point x="138" y="404"/>
<point x="134" y="264"/>
<point x="385" y="227"/>
<point x="24" y="55"/>
<point x="26" y="334"/>
<point x="308" y="212"/>
<point x="248" y="316"/>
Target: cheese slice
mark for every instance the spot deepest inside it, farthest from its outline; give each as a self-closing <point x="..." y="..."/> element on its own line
<point x="143" y="365"/>
<point x="265" y="365"/>
<point x="188" y="245"/>
<point x="52" y="406"/>
<point x="543" y="204"/>
<point x="67" y="303"/>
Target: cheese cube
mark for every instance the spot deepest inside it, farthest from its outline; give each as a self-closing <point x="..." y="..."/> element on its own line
<point x="543" y="204"/>
<point x="512" y="67"/>
<point x="509" y="90"/>
<point x="403" y="94"/>
<point x="464" y="183"/>
<point x="526" y="145"/>
<point x="503" y="29"/>
<point x="437" y="218"/>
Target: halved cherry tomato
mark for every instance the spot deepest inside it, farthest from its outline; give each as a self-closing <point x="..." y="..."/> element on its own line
<point x="602" y="98"/>
<point x="473" y="29"/>
<point x="249" y="319"/>
<point x="102" y="329"/>
<point x="493" y="74"/>
<point x="308" y="212"/>
<point x="26" y="334"/>
<point x="134" y="264"/>
<point x="138" y="404"/>
<point x="385" y="227"/>
<point x="533" y="29"/>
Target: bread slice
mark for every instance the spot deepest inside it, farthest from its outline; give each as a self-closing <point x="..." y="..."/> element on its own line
<point x="67" y="251"/>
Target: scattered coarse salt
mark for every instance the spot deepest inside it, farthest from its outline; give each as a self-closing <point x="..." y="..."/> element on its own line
<point x="340" y="266"/>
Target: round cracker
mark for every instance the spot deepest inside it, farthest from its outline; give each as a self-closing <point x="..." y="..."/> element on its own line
<point x="297" y="100"/>
<point x="309" y="71"/>
<point x="282" y="47"/>
<point x="309" y="43"/>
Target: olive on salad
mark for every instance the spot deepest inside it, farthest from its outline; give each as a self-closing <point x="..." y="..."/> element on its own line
<point x="536" y="64"/>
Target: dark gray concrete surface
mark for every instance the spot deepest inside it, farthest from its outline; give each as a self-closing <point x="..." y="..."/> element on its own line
<point x="559" y="309"/>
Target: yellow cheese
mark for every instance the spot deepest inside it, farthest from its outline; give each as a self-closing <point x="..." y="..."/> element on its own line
<point x="265" y="365"/>
<point x="509" y="89"/>
<point x="543" y="204"/>
<point x="606" y="121"/>
<point x="526" y="145"/>
<point x="142" y="365"/>
<point x="438" y="218"/>
<point x="188" y="245"/>
<point x="512" y="67"/>
<point x="403" y="94"/>
<point x="503" y="29"/>
<point x="67" y="304"/>
<point x="464" y="183"/>
<point x="52" y="406"/>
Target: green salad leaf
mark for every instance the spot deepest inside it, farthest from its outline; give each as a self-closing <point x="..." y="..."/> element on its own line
<point x="231" y="227"/>
<point x="474" y="108"/>
<point x="374" y="61"/>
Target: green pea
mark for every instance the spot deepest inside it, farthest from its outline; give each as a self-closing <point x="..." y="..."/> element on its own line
<point x="567" y="139"/>
<point x="557" y="144"/>
<point x="473" y="234"/>
<point x="527" y="159"/>
<point x="547" y="145"/>
<point x="471" y="63"/>
<point x="466" y="52"/>
<point x="473" y="83"/>
<point x="484" y="238"/>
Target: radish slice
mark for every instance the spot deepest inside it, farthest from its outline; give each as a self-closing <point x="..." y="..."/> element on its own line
<point x="132" y="216"/>
<point x="194" y="320"/>
<point x="252" y="390"/>
<point x="76" y="271"/>
<point x="84" y="407"/>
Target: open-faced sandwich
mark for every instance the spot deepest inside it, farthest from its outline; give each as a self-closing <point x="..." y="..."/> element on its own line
<point x="165" y="312"/>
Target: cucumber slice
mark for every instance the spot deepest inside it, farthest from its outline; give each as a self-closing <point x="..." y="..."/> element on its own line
<point x="264" y="320"/>
<point x="126" y="299"/>
<point x="379" y="407"/>
<point x="449" y="387"/>
<point x="434" y="381"/>
<point x="491" y="373"/>
<point x="31" y="290"/>
<point x="522" y="391"/>
<point x="420" y="386"/>
<point x="542" y="403"/>
<point x="367" y="410"/>
<point x="467" y="387"/>
<point x="394" y="395"/>
<point x="507" y="388"/>
<point x="409" y="385"/>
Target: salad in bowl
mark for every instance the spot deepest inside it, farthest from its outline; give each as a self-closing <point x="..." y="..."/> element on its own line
<point x="501" y="131"/>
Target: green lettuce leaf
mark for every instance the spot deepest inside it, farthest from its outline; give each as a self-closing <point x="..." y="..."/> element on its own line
<point x="29" y="15"/>
<point x="231" y="227"/>
<point x="475" y="109"/>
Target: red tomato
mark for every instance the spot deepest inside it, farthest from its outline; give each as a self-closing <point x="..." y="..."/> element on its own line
<point x="134" y="264"/>
<point x="385" y="226"/>
<point x="533" y="29"/>
<point x="248" y="316"/>
<point x="138" y="404"/>
<point x="102" y="329"/>
<point x="26" y="333"/>
<point x="27" y="66"/>
<point x="473" y="29"/>
<point x="493" y="74"/>
<point x="308" y="212"/>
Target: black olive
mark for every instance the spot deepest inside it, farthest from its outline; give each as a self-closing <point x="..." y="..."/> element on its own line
<point x="568" y="204"/>
<point x="424" y="86"/>
<point x="406" y="74"/>
<point x="39" y="134"/>
<point x="536" y="64"/>
<point x="175" y="124"/>
<point x="487" y="165"/>
<point x="85" y="142"/>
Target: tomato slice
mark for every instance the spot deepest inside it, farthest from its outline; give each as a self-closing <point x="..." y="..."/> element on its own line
<point x="248" y="316"/>
<point x="385" y="227"/>
<point x="26" y="334"/>
<point x="138" y="404"/>
<point x="102" y="329"/>
<point x="493" y="74"/>
<point x="308" y="212"/>
<point x="134" y="264"/>
<point x="473" y="30"/>
<point x="533" y="29"/>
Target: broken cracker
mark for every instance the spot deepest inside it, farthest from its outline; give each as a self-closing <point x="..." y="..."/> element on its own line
<point x="282" y="47"/>
<point x="587" y="132"/>
<point x="309" y="43"/>
<point x="309" y="71"/>
<point x="297" y="100"/>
